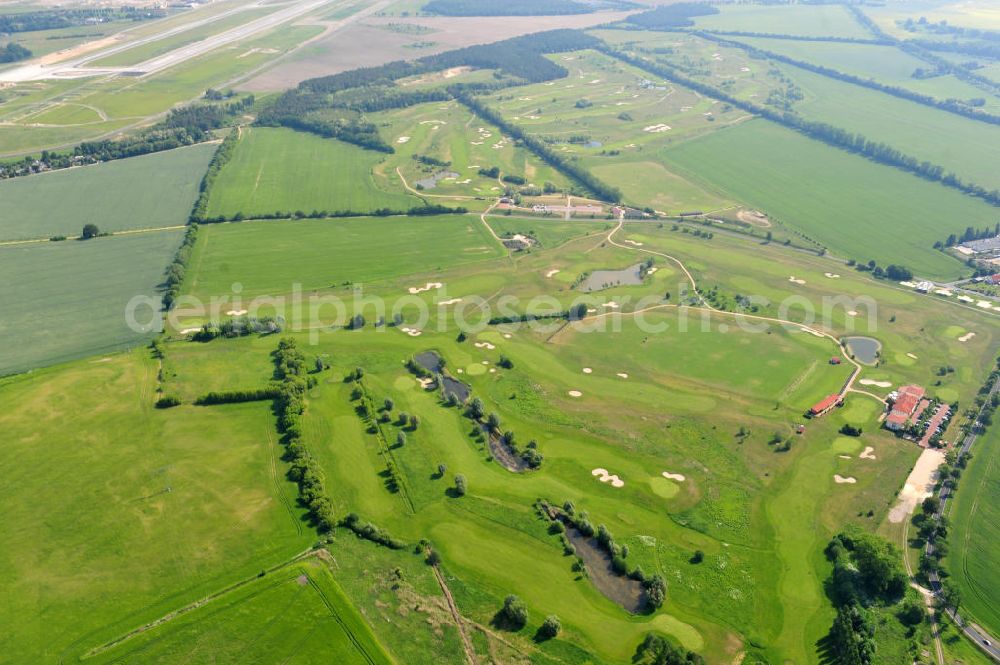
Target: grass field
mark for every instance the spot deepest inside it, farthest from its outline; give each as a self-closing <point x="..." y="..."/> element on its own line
<point x="974" y="538"/>
<point x="154" y="511"/>
<point x="269" y="257"/>
<point x="295" y="614"/>
<point x="68" y="300"/>
<point x="897" y="221"/>
<point x="151" y="191"/>
<point x="802" y="20"/>
<point x="281" y="169"/>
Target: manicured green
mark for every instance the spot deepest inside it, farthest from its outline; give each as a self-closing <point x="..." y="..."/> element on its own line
<point x="65" y="300"/>
<point x="151" y="191"/>
<point x="285" y="170"/>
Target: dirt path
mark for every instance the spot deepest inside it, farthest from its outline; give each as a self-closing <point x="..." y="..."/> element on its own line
<point x="470" y="653"/>
<point x="927" y="596"/>
<point x="7" y="243"/>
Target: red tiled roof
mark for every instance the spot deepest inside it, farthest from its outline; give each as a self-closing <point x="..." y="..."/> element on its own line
<point x="825" y="404"/>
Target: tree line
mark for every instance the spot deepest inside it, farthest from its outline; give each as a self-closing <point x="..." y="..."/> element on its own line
<point x="506" y="8"/>
<point x="178" y="267"/>
<point x="55" y="19"/>
<point x="13" y="52"/>
<point x="668" y="17"/>
<point x="821" y="131"/>
<point x="222" y="155"/>
<point x="949" y="105"/>
<point x="426" y="210"/>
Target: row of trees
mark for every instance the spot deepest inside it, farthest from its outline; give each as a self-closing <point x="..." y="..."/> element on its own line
<point x="506" y="8"/>
<point x="949" y="105"/>
<point x="223" y="154"/>
<point x="969" y="235"/>
<point x="54" y="19"/>
<point x="13" y="52"/>
<point x="178" y="267"/>
<point x="821" y="131"/>
<point x="426" y="210"/>
<point x="239" y="396"/>
<point x="668" y="17"/>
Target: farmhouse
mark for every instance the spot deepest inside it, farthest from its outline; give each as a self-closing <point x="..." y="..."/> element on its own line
<point x="984" y="246"/>
<point x="925" y="287"/>
<point x="906" y="406"/>
<point x="825" y="405"/>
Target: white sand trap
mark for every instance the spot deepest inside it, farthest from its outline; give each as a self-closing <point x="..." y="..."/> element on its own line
<point x="587" y="370"/>
<point x="911" y="355"/>
<point x="426" y="383"/>
<point x="493" y="370"/>
<point x="575" y="393"/>
<point x="507" y="336"/>
<point x="449" y="302"/>
<point x="484" y="345"/>
<point x="634" y="243"/>
<point x="869" y="453"/>
<point x="852" y="313"/>
<point x="434" y="122"/>
<point x="402" y="139"/>
<point x="841" y="480"/>
<point x="426" y="287"/>
<point x="476" y="142"/>
<point x="794" y="280"/>
<point x="844" y="456"/>
<point x="919" y="485"/>
<point x="591" y="310"/>
<point x="236" y="312"/>
<point x="623" y="375"/>
<point x="188" y="331"/>
<point x="966" y="337"/>
<point x="486" y="362"/>
<point x="679" y="477"/>
<point x="877" y="384"/>
<point x="460" y="370"/>
<point x="412" y="332"/>
<point x="831" y="275"/>
<point x="656" y="129"/>
<point x="610" y="305"/>
<point x="652" y="270"/>
<point x="552" y="272"/>
<point x="744" y="69"/>
<point x="605" y="477"/>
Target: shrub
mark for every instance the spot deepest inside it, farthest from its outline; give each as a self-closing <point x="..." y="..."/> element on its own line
<point x="656" y="591"/>
<point x="514" y="613"/>
<point x="167" y="401"/>
<point x="460" y="485"/>
<point x="550" y="627"/>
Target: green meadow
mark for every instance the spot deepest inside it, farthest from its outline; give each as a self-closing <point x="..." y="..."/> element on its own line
<point x="801" y="20"/>
<point x="138" y="193"/>
<point x="829" y="195"/>
<point x="267" y="258"/>
<point x="287" y="171"/>
<point x="65" y="300"/>
<point x="974" y="540"/>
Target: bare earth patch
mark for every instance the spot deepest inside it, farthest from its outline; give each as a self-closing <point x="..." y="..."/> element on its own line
<point x="919" y="485"/>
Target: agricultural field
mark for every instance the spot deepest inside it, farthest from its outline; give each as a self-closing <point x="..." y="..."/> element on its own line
<point x="622" y="398"/>
<point x="854" y="220"/>
<point x="799" y="20"/>
<point x="973" y="538"/>
<point x="65" y="300"/>
<point x="152" y="191"/>
<point x="284" y="170"/>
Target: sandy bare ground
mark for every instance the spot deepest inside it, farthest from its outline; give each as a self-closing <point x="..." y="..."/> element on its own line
<point x="753" y="217"/>
<point x="351" y="47"/>
<point x="919" y="485"/>
<point x="78" y="50"/>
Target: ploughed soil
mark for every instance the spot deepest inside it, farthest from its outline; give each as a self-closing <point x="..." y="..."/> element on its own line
<point x="618" y="588"/>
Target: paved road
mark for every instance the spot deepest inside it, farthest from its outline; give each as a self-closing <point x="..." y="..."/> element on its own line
<point x="982" y="639"/>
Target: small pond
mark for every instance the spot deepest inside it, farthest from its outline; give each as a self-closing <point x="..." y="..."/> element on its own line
<point x="430" y="361"/>
<point x="618" y="588"/>
<point x="456" y="388"/>
<point x="606" y="279"/>
<point x="863" y="349"/>
<point x="432" y="181"/>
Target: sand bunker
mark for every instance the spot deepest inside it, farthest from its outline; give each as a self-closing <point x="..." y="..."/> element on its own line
<point x="507" y="336"/>
<point x="868" y="454"/>
<point x="552" y="272"/>
<point x="575" y="393"/>
<point x="623" y="375"/>
<point x="674" y="476"/>
<point x="744" y="69"/>
<point x="841" y="480"/>
<point x="910" y="355"/>
<point x="426" y="287"/>
<point x="793" y="280"/>
<point x="877" y="384"/>
<point x="832" y="275"/>
<point x="844" y="456"/>
<point x="493" y="370"/>
<point x="236" y="312"/>
<point x="188" y="331"/>
<point x="449" y="302"/>
<point x="486" y="362"/>
<point x="634" y="243"/>
<point x="605" y="477"/>
<point x="656" y="129"/>
<point x="426" y="384"/>
<point x="484" y="345"/>
<point x="402" y="139"/>
<point x="919" y="485"/>
<point x="412" y="332"/>
<point x="966" y="337"/>
<point x="610" y="305"/>
<point x="587" y="370"/>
